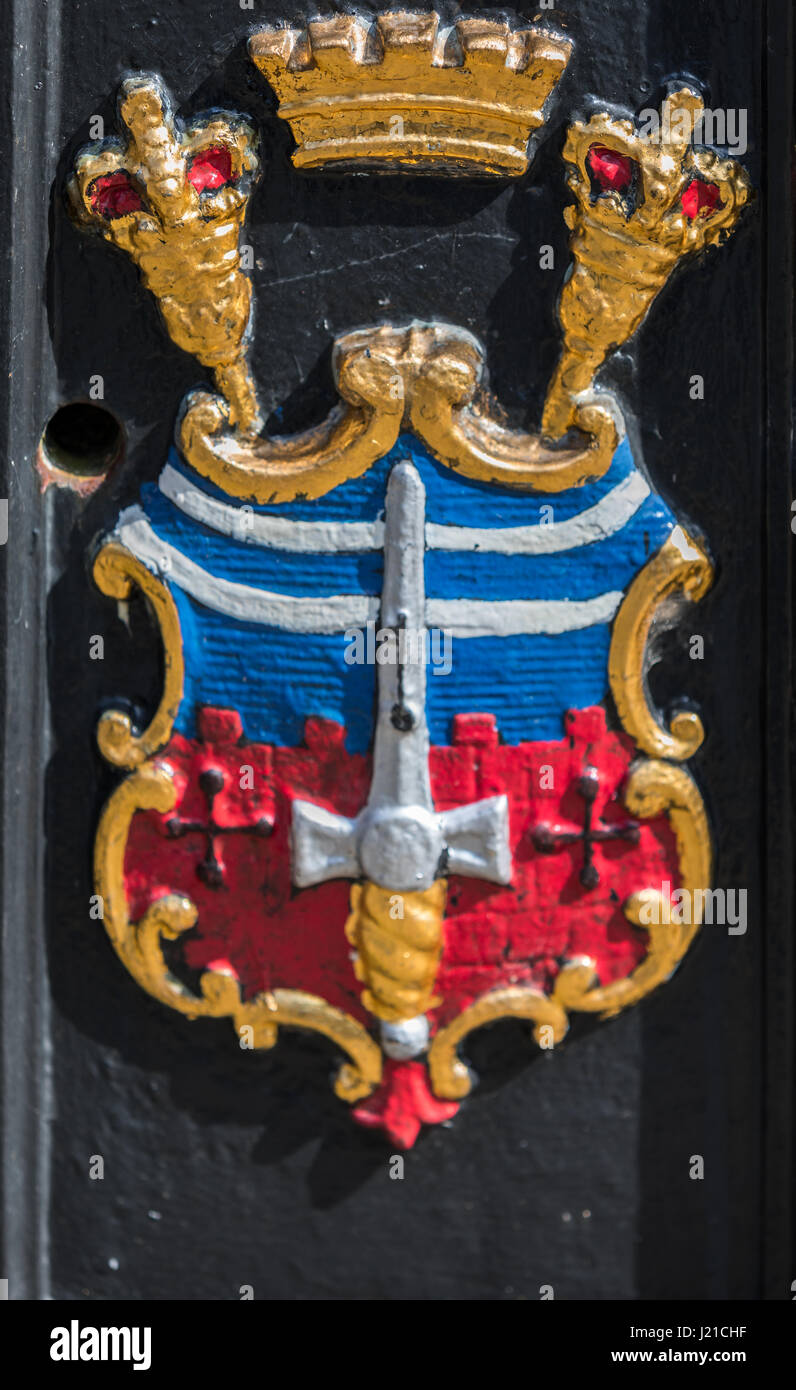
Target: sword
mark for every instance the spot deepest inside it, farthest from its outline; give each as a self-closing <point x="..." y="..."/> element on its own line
<point x="402" y="847"/>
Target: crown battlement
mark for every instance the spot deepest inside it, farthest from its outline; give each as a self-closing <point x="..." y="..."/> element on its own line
<point x="405" y="94"/>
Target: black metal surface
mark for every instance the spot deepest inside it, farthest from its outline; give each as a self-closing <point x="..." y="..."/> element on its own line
<point x="224" y="1168"/>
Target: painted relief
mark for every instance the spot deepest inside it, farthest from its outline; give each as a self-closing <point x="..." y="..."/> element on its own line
<point x="405" y="777"/>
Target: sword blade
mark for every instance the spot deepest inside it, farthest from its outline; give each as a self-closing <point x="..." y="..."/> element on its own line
<point x="401" y="744"/>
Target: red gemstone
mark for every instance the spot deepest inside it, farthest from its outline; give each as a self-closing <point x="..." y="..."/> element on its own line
<point x="113" y="195"/>
<point x="700" y="198"/>
<point x="210" y="168"/>
<point x="610" y="169"/>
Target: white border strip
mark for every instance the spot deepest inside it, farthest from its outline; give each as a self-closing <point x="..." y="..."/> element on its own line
<point x="461" y="617"/>
<point x="604" y="519"/>
<point x="278" y="532"/>
<point x="287" y="611"/>
<point x="243" y="524"/>
<point x="519" y="617"/>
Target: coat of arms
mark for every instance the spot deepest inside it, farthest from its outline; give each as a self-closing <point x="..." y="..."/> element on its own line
<point x="405" y="778"/>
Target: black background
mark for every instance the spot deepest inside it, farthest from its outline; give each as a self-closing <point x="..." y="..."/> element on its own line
<point x="570" y="1169"/>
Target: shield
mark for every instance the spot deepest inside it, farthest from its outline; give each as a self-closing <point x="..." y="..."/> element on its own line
<point x="393" y="805"/>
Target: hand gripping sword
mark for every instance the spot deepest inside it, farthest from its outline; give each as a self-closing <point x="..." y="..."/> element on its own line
<point x="398" y="843"/>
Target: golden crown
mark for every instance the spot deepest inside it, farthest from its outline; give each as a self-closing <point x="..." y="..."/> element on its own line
<point x="643" y="202"/>
<point x="174" y="196"/>
<point x="406" y="94"/>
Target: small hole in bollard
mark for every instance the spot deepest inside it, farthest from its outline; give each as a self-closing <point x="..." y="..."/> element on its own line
<point x="82" y="439"/>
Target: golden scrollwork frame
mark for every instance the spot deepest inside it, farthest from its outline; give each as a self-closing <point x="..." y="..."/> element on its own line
<point x="681" y="568"/>
<point x="116" y="573"/>
<point x="427" y="378"/>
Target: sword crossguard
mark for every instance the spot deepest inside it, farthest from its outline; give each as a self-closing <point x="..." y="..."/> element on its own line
<point x="404" y="848"/>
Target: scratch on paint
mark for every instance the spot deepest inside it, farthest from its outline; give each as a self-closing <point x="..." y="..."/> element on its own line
<point x="387" y="255"/>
